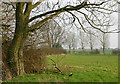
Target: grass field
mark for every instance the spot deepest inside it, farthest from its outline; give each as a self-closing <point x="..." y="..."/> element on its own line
<point x="85" y="68"/>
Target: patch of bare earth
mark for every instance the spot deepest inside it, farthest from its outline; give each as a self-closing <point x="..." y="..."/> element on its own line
<point x="76" y="67"/>
<point x="56" y="55"/>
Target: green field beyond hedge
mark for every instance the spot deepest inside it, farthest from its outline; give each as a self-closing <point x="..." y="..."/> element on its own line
<point x="85" y="68"/>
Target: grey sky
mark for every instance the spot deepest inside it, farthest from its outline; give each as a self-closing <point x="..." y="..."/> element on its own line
<point x="114" y="36"/>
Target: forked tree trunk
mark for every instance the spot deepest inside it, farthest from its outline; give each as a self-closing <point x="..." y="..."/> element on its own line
<point x="15" y="51"/>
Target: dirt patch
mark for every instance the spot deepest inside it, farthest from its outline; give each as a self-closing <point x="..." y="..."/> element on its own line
<point x="56" y="55"/>
<point x="76" y="67"/>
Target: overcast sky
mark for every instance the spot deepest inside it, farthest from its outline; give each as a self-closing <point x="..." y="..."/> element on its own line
<point x="114" y="37"/>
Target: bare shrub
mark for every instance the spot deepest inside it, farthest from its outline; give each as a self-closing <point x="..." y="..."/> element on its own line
<point x="95" y="52"/>
<point x="115" y="52"/>
<point x="34" y="59"/>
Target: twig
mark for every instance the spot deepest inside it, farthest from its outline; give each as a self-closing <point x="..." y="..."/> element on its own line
<point x="56" y="66"/>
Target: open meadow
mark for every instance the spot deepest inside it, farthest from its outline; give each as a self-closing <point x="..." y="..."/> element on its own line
<point x="83" y="67"/>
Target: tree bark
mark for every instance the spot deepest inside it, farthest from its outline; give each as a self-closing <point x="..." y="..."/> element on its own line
<point x="20" y="56"/>
<point x="103" y="50"/>
<point x="15" y="51"/>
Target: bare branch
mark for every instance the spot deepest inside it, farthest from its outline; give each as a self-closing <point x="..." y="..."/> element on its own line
<point x="35" y="5"/>
<point x="78" y="20"/>
<point x="44" y="20"/>
<point x="66" y="8"/>
<point x="10" y="4"/>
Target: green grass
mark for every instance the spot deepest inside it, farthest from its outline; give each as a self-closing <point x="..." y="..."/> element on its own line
<point x="80" y="60"/>
<point x="85" y="68"/>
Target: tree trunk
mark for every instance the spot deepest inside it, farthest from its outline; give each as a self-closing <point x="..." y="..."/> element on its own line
<point x="15" y="55"/>
<point x="15" y="51"/>
<point x="83" y="48"/>
<point x="103" y="50"/>
<point x="91" y="47"/>
<point x="20" y="57"/>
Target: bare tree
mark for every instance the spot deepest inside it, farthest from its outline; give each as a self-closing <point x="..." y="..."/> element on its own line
<point x="83" y="40"/>
<point x="92" y="39"/>
<point x="53" y="34"/>
<point x="104" y="40"/>
<point x="71" y="40"/>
